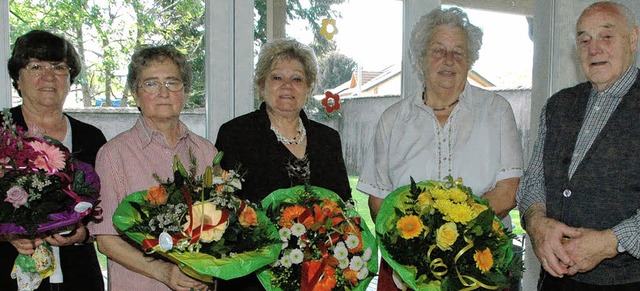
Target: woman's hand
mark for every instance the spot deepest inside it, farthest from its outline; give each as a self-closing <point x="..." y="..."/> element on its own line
<point x="25" y="246"/>
<point x="78" y="235"/>
<point x="177" y="280"/>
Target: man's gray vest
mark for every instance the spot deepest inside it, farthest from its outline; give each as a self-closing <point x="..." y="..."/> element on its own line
<point x="605" y="188"/>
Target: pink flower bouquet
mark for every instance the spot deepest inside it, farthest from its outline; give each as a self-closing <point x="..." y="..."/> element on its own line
<point x="44" y="189"/>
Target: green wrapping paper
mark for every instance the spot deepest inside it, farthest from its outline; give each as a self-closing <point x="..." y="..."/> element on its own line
<point x="443" y="264"/>
<point x="201" y="266"/>
<point x="292" y="196"/>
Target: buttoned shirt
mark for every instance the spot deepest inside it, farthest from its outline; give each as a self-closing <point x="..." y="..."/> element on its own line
<point x="126" y="164"/>
<point x="479" y="143"/>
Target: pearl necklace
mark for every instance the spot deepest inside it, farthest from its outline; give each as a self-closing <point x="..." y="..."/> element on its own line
<point x="297" y="139"/>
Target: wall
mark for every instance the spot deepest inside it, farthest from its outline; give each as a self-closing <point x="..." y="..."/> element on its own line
<point x="356" y="124"/>
<point x="116" y="120"/>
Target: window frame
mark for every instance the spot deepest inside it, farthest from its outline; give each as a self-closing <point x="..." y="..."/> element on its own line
<point x="229" y="71"/>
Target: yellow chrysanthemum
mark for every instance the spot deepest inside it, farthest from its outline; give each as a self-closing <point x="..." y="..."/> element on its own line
<point x="446" y="236"/>
<point x="409" y="226"/>
<point x="439" y="193"/>
<point x="459" y="213"/>
<point x="484" y="260"/>
<point x="457" y="195"/>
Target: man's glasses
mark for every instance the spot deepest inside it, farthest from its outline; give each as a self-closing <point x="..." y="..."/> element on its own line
<point x="153" y="87"/>
<point x="37" y="69"/>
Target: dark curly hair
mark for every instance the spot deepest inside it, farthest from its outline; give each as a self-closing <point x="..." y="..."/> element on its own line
<point x="44" y="46"/>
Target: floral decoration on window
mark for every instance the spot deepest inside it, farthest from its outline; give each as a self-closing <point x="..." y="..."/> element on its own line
<point x="329" y="28"/>
<point x="331" y="102"/>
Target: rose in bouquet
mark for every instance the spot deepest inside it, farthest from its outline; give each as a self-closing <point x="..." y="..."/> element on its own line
<point x="44" y="191"/>
<point x="326" y="244"/>
<point x="437" y="235"/>
<point x="198" y="223"/>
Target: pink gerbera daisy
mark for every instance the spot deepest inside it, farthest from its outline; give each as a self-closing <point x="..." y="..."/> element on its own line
<point x="50" y="158"/>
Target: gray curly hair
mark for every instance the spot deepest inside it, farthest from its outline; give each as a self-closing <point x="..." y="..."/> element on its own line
<point x="421" y="35"/>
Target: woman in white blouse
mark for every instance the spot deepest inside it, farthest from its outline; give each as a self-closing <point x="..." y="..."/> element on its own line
<point x="450" y="128"/>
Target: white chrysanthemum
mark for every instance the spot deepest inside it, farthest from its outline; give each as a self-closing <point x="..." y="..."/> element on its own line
<point x="285" y="245"/>
<point x="343" y="264"/>
<point x="340" y="252"/>
<point x="356" y="263"/>
<point x="285" y="234"/>
<point x="296" y="256"/>
<point x="298" y="229"/>
<point x="352" y="241"/>
<point x="285" y="261"/>
<point x="366" y="256"/>
<point x="363" y="273"/>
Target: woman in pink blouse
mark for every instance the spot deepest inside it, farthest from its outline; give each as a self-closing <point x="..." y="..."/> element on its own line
<point x="159" y="79"/>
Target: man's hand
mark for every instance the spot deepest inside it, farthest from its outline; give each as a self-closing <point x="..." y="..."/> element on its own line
<point x="547" y="237"/>
<point x="590" y="248"/>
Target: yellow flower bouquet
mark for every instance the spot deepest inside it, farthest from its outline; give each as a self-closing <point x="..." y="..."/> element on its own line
<point x="437" y="235"/>
<point x="198" y="223"/>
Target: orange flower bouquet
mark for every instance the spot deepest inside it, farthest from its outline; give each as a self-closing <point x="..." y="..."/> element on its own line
<point x="437" y="235"/>
<point x="326" y="244"/>
<point x="200" y="224"/>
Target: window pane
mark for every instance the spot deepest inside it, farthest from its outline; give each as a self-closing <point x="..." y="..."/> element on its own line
<point x="105" y="34"/>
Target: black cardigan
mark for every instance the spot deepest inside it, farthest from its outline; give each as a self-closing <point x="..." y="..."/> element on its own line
<point x="248" y="141"/>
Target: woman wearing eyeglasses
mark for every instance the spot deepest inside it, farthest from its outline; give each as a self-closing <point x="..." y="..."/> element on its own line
<point x="449" y="128"/>
<point x="42" y="68"/>
<point x="159" y="78"/>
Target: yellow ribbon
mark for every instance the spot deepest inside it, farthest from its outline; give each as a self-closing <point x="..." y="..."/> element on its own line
<point x="439" y="269"/>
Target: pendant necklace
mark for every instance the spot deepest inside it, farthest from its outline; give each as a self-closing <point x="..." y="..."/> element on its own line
<point x="443" y="108"/>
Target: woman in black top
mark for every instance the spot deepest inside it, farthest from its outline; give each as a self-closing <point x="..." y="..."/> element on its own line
<point x="277" y="145"/>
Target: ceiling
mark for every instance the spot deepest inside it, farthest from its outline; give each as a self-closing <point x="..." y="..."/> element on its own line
<point x="524" y="7"/>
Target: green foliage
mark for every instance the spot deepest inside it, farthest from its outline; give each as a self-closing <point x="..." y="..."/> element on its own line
<point x="106" y="32"/>
<point x="335" y="69"/>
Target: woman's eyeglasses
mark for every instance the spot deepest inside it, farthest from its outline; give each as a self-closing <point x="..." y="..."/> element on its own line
<point x="37" y="69"/>
<point x="153" y="87"/>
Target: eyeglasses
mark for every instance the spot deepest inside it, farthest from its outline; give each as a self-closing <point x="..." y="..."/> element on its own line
<point x="439" y="53"/>
<point x="37" y="69"/>
<point x="153" y="87"/>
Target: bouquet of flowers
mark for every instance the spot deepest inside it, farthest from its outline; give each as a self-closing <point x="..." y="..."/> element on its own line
<point x="437" y="235"/>
<point x="326" y="244"/>
<point x="198" y="223"/>
<point x="45" y="190"/>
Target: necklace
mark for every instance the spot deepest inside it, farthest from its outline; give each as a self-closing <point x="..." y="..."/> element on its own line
<point x="443" y="108"/>
<point x="297" y="139"/>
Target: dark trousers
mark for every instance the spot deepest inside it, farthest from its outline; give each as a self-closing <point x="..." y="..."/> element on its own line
<point x="551" y="283"/>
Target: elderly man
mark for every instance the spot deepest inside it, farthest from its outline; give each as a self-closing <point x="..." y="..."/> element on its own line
<point x="580" y="196"/>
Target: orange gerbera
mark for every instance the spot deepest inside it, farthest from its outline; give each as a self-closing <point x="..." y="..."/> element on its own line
<point x="484" y="260"/>
<point x="410" y="226"/>
<point x="157" y="195"/>
<point x="289" y="214"/>
<point x="327" y="280"/>
<point x="351" y="276"/>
